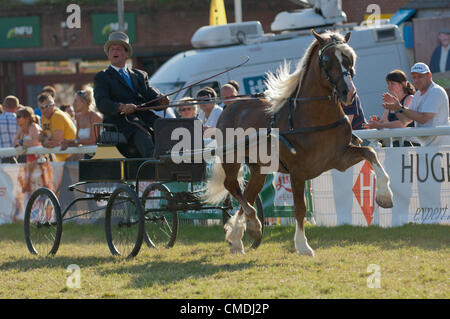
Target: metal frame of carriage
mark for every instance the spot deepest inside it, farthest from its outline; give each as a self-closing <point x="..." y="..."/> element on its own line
<point x="129" y="218"/>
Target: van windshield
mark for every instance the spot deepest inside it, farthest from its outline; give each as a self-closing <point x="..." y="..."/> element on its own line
<point x="166" y="88"/>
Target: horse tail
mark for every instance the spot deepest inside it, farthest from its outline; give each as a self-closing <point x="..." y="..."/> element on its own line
<point x="215" y="186"/>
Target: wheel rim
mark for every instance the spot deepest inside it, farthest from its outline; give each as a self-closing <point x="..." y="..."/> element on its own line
<point x="42" y="222"/>
<point x="123" y="222"/>
<point x="161" y="224"/>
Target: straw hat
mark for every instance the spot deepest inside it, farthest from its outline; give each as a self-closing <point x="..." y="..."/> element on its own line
<point x="118" y="38"/>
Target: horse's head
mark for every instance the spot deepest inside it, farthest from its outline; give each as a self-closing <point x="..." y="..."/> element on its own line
<point x="336" y="64"/>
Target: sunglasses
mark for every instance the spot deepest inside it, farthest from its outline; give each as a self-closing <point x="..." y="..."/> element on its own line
<point x="45" y="106"/>
<point x="186" y="109"/>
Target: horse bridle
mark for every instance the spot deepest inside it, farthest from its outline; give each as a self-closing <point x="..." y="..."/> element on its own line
<point x="323" y="59"/>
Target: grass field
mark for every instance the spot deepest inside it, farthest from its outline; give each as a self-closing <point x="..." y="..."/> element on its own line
<point x="412" y="262"/>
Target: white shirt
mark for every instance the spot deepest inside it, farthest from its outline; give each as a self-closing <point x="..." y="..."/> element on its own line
<point x="211" y="121"/>
<point x="443" y="61"/>
<point x="435" y="100"/>
<point x="125" y="69"/>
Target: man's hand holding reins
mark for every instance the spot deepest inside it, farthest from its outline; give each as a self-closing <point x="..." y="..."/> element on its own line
<point x="127" y="108"/>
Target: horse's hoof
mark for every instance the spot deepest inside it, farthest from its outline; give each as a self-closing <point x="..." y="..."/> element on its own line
<point x="254" y="229"/>
<point x="306" y="252"/>
<point x="385" y="201"/>
<point x="237" y="251"/>
<point x="255" y="234"/>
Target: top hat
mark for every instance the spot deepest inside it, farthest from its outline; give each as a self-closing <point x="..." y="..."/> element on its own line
<point x="118" y="38"/>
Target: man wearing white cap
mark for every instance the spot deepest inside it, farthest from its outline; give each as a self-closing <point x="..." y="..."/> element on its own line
<point x="118" y="90"/>
<point x="428" y="107"/>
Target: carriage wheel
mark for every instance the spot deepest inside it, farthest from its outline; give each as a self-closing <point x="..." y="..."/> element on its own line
<point x="161" y="223"/>
<point x="43" y="223"/>
<point x="248" y="241"/>
<point x="124" y="222"/>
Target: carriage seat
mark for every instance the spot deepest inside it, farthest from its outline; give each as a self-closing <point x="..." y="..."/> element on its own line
<point x="108" y="135"/>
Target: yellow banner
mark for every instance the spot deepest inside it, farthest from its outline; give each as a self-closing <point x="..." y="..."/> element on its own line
<point x="217" y="14"/>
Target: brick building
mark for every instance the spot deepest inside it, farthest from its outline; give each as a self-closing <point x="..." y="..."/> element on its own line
<point x="69" y="58"/>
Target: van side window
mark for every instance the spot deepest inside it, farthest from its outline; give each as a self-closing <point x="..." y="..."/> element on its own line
<point x="193" y="90"/>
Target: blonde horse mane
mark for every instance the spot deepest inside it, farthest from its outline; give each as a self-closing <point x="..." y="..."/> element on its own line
<point x="282" y="84"/>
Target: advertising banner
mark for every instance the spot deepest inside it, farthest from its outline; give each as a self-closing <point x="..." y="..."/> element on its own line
<point x="420" y="182"/>
<point x="20" y="32"/>
<point x="105" y="23"/>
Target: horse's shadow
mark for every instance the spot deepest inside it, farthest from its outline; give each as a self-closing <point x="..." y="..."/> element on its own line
<point x="160" y="272"/>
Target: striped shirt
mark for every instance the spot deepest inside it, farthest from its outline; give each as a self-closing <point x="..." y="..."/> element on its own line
<point x="356" y="110"/>
<point x="8" y="129"/>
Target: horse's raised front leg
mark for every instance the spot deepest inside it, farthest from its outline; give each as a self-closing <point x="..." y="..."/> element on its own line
<point x="353" y="155"/>
<point x="298" y="191"/>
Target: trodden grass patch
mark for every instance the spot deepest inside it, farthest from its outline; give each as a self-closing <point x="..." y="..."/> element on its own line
<point x="411" y="261"/>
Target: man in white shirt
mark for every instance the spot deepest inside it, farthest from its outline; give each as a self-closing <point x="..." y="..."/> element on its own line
<point x="210" y="112"/>
<point x="428" y="108"/>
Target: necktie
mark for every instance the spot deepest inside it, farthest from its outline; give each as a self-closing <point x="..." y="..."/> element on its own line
<point x="126" y="77"/>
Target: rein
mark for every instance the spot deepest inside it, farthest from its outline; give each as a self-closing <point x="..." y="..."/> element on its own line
<point x="193" y="84"/>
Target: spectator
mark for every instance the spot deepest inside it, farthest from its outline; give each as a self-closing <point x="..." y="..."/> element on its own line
<point x="188" y="111"/>
<point x="228" y="92"/>
<point x="46" y="89"/>
<point x="210" y="112"/>
<point x="428" y="107"/>
<point x="8" y="125"/>
<point x="1" y="109"/>
<point x="28" y="130"/>
<point x="50" y="90"/>
<point x="69" y="110"/>
<point x="234" y="84"/>
<point x="355" y="113"/>
<point x="56" y="125"/>
<point x="86" y="117"/>
<point x="440" y="59"/>
<point x="403" y="90"/>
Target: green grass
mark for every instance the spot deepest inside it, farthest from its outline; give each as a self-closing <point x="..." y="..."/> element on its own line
<point x="413" y="261"/>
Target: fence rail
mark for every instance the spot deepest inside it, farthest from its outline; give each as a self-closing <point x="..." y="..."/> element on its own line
<point x="371" y="135"/>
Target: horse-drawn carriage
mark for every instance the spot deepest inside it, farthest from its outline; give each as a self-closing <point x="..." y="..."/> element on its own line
<point x="131" y="216"/>
<point x="303" y="107"/>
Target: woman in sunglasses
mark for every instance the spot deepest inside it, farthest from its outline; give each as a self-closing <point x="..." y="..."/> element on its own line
<point x="86" y="117"/>
<point x="188" y="111"/>
<point x="28" y="130"/>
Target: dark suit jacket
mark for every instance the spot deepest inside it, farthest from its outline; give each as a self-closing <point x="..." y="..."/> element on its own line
<point x="110" y="90"/>
<point x="436" y="59"/>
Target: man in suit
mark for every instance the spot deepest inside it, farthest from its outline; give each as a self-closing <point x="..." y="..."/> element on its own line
<point x="119" y="90"/>
<point x="440" y="59"/>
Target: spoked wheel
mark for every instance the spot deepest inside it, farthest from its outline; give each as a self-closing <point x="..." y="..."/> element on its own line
<point x="161" y="223"/>
<point x="43" y="223"/>
<point x="124" y="222"/>
<point x="226" y="215"/>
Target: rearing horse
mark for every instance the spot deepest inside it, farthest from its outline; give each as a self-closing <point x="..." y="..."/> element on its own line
<point x="305" y="107"/>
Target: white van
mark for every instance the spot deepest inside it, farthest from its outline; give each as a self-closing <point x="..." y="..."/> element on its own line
<point x="380" y="49"/>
